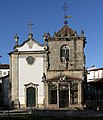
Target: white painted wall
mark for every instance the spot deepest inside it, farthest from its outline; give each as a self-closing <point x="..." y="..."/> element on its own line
<point x="94" y="74"/>
<point x="31" y="73"/>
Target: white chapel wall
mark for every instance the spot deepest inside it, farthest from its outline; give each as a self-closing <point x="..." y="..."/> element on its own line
<point x="31" y="73"/>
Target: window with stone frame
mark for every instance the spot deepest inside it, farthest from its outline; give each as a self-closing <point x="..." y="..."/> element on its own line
<point x="52" y="94"/>
<point x="64" y="53"/>
<point x="73" y="92"/>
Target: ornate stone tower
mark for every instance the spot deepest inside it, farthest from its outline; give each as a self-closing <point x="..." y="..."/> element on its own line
<point x="65" y="69"/>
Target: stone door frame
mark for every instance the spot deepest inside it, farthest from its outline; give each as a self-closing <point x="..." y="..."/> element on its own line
<point x="35" y="86"/>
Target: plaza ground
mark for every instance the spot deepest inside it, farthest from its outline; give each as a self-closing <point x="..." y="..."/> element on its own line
<point x="32" y="114"/>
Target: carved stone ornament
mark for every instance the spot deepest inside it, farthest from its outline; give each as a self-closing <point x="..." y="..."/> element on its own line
<point x="30" y="60"/>
<point x="30" y="43"/>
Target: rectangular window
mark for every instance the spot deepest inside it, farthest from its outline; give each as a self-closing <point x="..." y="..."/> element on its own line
<point x="73" y="93"/>
<point x="52" y="94"/>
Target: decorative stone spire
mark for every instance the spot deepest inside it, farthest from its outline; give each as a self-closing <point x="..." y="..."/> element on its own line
<point x="30" y="35"/>
<point x="16" y="39"/>
<point x="76" y="33"/>
<point x="82" y="33"/>
<point x="46" y="36"/>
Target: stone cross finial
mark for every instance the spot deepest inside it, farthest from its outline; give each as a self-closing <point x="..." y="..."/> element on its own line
<point x="30" y="27"/>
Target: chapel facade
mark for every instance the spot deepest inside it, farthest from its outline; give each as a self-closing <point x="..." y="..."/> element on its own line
<point x="49" y="76"/>
<point x="27" y="65"/>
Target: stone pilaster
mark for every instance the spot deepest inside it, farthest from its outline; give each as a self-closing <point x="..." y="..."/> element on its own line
<point x="46" y="95"/>
<point x="80" y="94"/>
<point x="14" y="78"/>
<point x="58" y="95"/>
<point x="69" y="92"/>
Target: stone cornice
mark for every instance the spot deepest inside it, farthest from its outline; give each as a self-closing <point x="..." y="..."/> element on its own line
<point x="27" y="52"/>
<point x="65" y="70"/>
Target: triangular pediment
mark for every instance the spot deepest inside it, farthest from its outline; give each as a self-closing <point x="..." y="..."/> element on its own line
<point x="30" y="45"/>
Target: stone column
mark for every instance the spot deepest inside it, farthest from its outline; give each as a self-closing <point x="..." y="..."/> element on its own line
<point x="58" y="94"/>
<point x="46" y="95"/>
<point x="69" y="92"/>
<point x="36" y="96"/>
<point x="79" y="94"/>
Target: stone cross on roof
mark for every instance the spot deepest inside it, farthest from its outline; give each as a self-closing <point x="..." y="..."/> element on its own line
<point x="30" y="27"/>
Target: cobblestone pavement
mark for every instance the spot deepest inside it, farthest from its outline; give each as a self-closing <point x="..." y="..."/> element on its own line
<point x="54" y="113"/>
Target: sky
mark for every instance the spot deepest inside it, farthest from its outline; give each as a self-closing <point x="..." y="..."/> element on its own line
<point x="47" y="16"/>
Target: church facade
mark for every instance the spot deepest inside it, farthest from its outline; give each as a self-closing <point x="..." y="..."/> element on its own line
<point x="26" y="71"/>
<point x="48" y="76"/>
